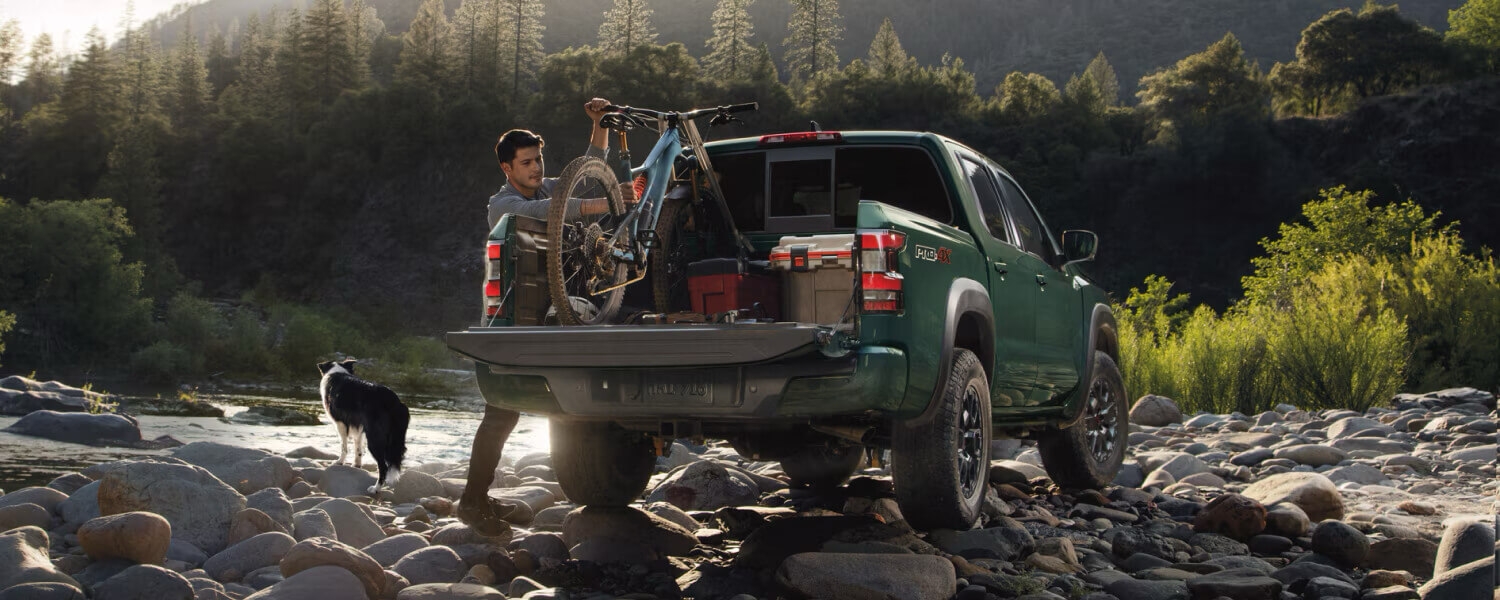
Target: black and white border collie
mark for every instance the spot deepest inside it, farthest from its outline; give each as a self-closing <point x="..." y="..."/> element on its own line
<point x="358" y="406"/>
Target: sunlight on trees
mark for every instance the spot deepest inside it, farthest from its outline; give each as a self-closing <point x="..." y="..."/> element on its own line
<point x="730" y="56"/>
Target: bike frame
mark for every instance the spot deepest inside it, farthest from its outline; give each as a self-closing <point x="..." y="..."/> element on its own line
<point x="658" y="171"/>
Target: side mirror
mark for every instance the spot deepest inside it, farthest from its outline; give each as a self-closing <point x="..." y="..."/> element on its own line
<point x="1079" y="245"/>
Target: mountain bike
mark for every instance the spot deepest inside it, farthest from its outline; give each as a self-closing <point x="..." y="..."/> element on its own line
<point x="593" y="258"/>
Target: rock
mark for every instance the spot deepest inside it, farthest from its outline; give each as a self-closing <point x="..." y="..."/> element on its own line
<point x="1464" y="541"/>
<point x="1232" y="515"/>
<point x="433" y="564"/>
<point x="247" y="470"/>
<point x="249" y="523"/>
<point x="1480" y="454"/>
<point x="311" y="452"/>
<point x="1357" y="473"/>
<point x="1472" y="580"/>
<point x="1001" y="543"/>
<point x="1413" y="555"/>
<point x="450" y="591"/>
<point x="827" y="575"/>
<point x="1239" y="585"/>
<point x="1348" y="427"/>
<point x="530" y="499"/>
<point x="391" y="549"/>
<point x="240" y="559"/>
<point x="1287" y="520"/>
<point x="1344" y="544"/>
<point x="44" y="497"/>
<point x="352" y="524"/>
<point x="274" y="503"/>
<point x="1250" y="458"/>
<point x="1155" y="411"/>
<point x="1417" y="508"/>
<point x="676" y="515"/>
<point x="24" y="514"/>
<point x="1127" y="541"/>
<point x="182" y="551"/>
<point x="312" y="523"/>
<point x="274" y="415"/>
<point x="79" y="428"/>
<point x="414" y="486"/>
<point x="317" y="583"/>
<point x="1296" y="572"/>
<point x="144" y="582"/>
<point x="1313" y="455"/>
<point x="18" y="403"/>
<point x="1135" y="589"/>
<point x="81" y="506"/>
<point x="310" y="553"/>
<point x="706" y="485"/>
<point x="1269" y="545"/>
<point x="771" y="543"/>
<point x="628" y="523"/>
<point x="24" y="559"/>
<point x="1216" y="544"/>
<point x="68" y="483"/>
<point x="1177" y="464"/>
<point x="140" y="537"/>
<point x="42" y="591"/>
<point x="1311" y="492"/>
<point x="342" y="480"/>
<point x="1395" y="592"/>
<point x="1328" y="587"/>
<point x="198" y="505"/>
<point x="543" y="546"/>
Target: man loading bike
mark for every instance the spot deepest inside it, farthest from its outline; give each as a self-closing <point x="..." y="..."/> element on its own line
<point x="526" y="192"/>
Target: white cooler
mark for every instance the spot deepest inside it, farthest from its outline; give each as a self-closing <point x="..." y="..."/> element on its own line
<point x="818" y="277"/>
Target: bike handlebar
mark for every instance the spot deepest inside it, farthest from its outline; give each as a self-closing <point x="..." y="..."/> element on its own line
<point x="692" y="114"/>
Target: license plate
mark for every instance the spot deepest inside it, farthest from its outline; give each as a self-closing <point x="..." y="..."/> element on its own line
<point x="689" y="388"/>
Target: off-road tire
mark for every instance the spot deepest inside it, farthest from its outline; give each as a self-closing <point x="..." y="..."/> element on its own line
<point x="940" y="465"/>
<point x="600" y="463"/>
<point x="581" y="169"/>
<point x="1069" y="454"/>
<point x="668" y="269"/>
<point x="822" y="466"/>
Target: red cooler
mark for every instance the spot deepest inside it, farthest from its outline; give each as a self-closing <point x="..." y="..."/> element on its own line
<point x="723" y="284"/>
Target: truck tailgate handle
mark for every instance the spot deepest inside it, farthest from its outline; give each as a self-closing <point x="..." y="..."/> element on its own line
<point x="1000" y="267"/>
<point x="1041" y="280"/>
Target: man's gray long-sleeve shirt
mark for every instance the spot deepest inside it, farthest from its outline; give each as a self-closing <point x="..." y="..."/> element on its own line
<point x="510" y="200"/>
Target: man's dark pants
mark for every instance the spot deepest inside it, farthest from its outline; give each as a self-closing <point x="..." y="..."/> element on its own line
<point x="489" y="440"/>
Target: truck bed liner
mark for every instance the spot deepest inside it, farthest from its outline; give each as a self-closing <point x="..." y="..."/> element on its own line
<point x="634" y="346"/>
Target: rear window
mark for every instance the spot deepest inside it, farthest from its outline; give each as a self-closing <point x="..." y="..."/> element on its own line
<point x="807" y="188"/>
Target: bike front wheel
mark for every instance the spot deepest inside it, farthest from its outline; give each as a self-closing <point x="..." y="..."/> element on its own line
<point x="584" y="278"/>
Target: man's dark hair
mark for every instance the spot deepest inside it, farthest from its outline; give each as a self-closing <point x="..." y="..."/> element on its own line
<point x="513" y="140"/>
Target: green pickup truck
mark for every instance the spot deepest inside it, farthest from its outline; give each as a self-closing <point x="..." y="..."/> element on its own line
<point x="917" y="303"/>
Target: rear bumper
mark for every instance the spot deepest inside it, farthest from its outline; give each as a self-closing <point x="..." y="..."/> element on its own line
<point x="869" y="381"/>
<point x="635" y="346"/>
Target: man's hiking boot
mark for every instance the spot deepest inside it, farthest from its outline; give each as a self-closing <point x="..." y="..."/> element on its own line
<point x="488" y="517"/>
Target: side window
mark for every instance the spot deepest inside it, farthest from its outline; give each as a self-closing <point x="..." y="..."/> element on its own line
<point x="989" y="199"/>
<point x="1028" y="226"/>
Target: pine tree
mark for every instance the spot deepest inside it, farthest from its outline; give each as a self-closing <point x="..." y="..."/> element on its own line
<point x="43" y="78"/>
<point x="10" y="48"/>
<point x="475" y="37"/>
<point x="294" y="85"/>
<point x="91" y="94"/>
<point x="626" y="26"/>
<point x="364" y="27"/>
<point x="325" y="46"/>
<point x="887" y="57"/>
<point x="425" y="51"/>
<point x="814" y="32"/>
<point x="1105" y="80"/>
<point x="141" y="75"/>
<point x="190" y="88"/>
<point x="730" y="55"/>
<point x="220" y="63"/>
<point x="520" y="42"/>
<point x="256" y="89"/>
<point x="763" y="70"/>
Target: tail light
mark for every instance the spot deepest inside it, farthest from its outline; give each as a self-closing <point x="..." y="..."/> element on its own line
<point x="494" y="273"/>
<point x="880" y="280"/>
<point x="801" y="137"/>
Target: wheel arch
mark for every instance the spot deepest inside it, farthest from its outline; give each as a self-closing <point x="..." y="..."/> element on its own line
<point x="1103" y="337"/>
<point x="968" y="323"/>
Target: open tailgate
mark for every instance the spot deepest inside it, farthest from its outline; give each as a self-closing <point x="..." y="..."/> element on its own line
<point x="634" y="346"/>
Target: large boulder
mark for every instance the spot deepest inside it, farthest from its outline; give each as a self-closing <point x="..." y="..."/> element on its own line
<point x="17" y="403"/>
<point x="199" y="506"/>
<point x="79" y="428"/>
<point x="894" y="576"/>
<point x="326" y="582"/>
<point x="343" y="480"/>
<point x="237" y="561"/>
<point x="354" y="526"/>
<point x="317" y="552"/>
<point x="706" y="485"/>
<point x="23" y="559"/>
<point x="1464" y="541"/>
<point x="627" y="524"/>
<point x="1233" y="515"/>
<point x="246" y="469"/>
<point x="1155" y="411"/>
<point x="144" y="582"/>
<point x="140" y="537"/>
<point x="1311" y="492"/>
<point x="1473" y="580"/>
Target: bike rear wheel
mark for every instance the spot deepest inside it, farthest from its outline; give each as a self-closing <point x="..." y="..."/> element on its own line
<point x="580" y="260"/>
<point x="669" y="260"/>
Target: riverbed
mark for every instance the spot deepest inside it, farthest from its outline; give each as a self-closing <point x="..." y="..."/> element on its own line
<point x="433" y="436"/>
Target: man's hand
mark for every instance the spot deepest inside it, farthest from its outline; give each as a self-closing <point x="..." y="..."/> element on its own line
<point x="595" y="108"/>
<point x="627" y="191"/>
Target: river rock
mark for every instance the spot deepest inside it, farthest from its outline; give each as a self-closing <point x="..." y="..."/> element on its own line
<point x="1239" y="584"/>
<point x="274" y="415"/>
<point x="317" y="583"/>
<point x="24" y="514"/>
<point x="433" y="564"/>
<point x="1414" y="555"/>
<point x="24" y="559"/>
<point x="1473" y="580"/>
<point x="274" y="503"/>
<point x="1155" y="411"/>
<point x="450" y="591"/>
<point x="833" y="575"/>
<point x="1312" y="455"/>
<point x="340" y="481"/>
<point x="1233" y="515"/>
<point x="247" y="470"/>
<point x="44" y="497"/>
<point x="1480" y="454"/>
<point x="1136" y="589"/>
<point x="140" y="537"/>
<point x="414" y="486"/>
<point x="1344" y="544"/>
<point x="391" y="549"/>
<point x="42" y="591"/>
<point x="79" y="428"/>
<point x="16" y="403"/>
<point x="249" y="523"/>
<point x="316" y="552"/>
<point x="144" y="582"/>
<point x="1358" y="473"/>
<point x="81" y="506"/>
<point x="706" y="485"/>
<point x="1001" y="543"/>
<point x="312" y="523"/>
<point x="257" y="552"/>
<point x="1350" y="426"/>
<point x="353" y="525"/>
<point x="1464" y="541"/>
<point x="1311" y="492"/>
<point x="198" y="505"/>
<point x="627" y="523"/>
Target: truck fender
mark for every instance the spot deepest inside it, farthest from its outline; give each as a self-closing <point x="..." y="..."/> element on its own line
<point x="1103" y="335"/>
<point x="965" y="297"/>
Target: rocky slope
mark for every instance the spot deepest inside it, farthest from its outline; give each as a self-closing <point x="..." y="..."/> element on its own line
<point x="1393" y="503"/>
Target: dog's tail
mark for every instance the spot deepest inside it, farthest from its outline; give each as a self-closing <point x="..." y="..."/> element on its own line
<point x="396" y="440"/>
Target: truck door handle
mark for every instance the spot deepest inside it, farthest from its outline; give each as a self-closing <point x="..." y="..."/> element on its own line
<point x="1041" y="280"/>
<point x="1000" y="267"/>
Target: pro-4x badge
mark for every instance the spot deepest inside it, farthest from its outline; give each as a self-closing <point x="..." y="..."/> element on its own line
<point x="929" y="254"/>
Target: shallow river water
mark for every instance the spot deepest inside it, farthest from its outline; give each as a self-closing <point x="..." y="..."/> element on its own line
<point x="434" y="435"/>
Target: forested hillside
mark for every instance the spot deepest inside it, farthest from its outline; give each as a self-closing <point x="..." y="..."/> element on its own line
<point x="1053" y="37"/>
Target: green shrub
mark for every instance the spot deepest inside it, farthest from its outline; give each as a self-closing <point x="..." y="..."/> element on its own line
<point x="7" y="321"/>
<point x="307" y="338"/>
<point x="162" y="362"/>
<point x="247" y="348"/>
<point x="1221" y="362"/>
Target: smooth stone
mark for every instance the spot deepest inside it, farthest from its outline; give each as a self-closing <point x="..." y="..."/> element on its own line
<point x="433" y="564"/>
<point x="1472" y="580"/>
<point x="1136" y="589"/>
<point x="23" y="515"/>
<point x="315" y="552"/>
<point x="42" y="591"/>
<point x="1233" y="515"/>
<point x="81" y="506"/>
<point x="325" y="582"/>
<point x="1236" y="585"/>
<point x="353" y="526"/>
<point x="450" y="591"/>
<point x="1155" y="411"/>
<point x="628" y="523"/>
<point x="1341" y="542"/>
<point x="144" y="582"/>
<point x="1464" y="541"/>
<point x="312" y="523"/>
<point x="199" y="507"/>
<point x="1312" y="492"/>
<point x="44" y="497"/>
<point x="24" y="559"/>
<point x="1328" y="587"/>
<point x="829" y="575"/>
<point x="341" y="481"/>
<point x="140" y="537"/>
<point x="251" y="522"/>
<point x="247" y="470"/>
<point x="1313" y="455"/>
<point x="706" y="485"/>
<point x="1414" y="555"/>
<point x="391" y="549"/>
<point x="275" y="503"/>
<point x="240" y="559"/>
